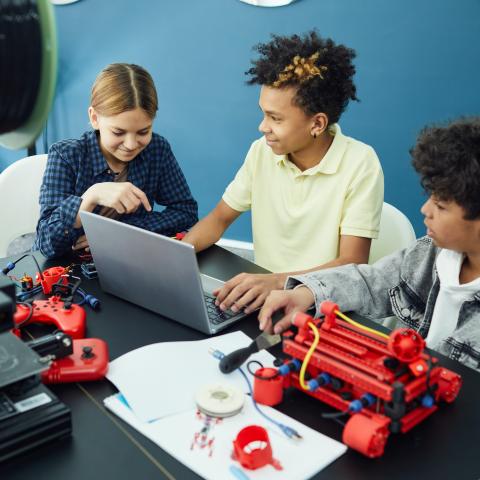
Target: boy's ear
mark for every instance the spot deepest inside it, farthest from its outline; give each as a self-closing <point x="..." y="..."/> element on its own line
<point x="92" y="114"/>
<point x="319" y="124"/>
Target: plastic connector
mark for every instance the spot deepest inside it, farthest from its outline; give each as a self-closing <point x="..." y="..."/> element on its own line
<point x="10" y="266"/>
<point x="301" y="320"/>
<point x="293" y="366"/>
<point x="322" y="379"/>
<point x="216" y="353"/>
<point x="428" y="401"/>
<point x="355" y="406"/>
<point x="364" y="401"/>
<point x="290" y="432"/>
<point x="92" y="301"/>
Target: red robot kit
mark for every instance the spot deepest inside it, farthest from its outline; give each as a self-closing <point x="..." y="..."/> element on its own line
<point x="384" y="383"/>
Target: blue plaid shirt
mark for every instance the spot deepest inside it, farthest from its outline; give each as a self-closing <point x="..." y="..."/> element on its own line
<point x="75" y="165"/>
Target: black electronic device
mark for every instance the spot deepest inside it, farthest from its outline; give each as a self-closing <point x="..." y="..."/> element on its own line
<point x="30" y="414"/>
<point x="7" y="303"/>
<point x="17" y="361"/>
<point x="30" y="418"/>
<point x="54" y="345"/>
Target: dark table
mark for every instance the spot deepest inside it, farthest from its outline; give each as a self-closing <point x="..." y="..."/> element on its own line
<point x="445" y="446"/>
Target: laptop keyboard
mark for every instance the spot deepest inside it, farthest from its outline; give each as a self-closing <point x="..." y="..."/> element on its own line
<point x="216" y="315"/>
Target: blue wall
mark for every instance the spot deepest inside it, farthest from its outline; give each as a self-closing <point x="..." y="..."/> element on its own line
<point x="418" y="62"/>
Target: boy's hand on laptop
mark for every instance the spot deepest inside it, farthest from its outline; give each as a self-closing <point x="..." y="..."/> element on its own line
<point x="247" y="291"/>
<point x="291" y="301"/>
<point x="124" y="197"/>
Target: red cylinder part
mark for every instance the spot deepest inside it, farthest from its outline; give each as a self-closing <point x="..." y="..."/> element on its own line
<point x="301" y="321"/>
<point x="253" y="450"/>
<point x="328" y="309"/>
<point x="406" y="344"/>
<point x="50" y="277"/>
<point x="366" y="435"/>
<point x="268" y="387"/>
<point x="449" y="384"/>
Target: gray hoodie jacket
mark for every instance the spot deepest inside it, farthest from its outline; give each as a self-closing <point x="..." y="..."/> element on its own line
<point x="404" y="284"/>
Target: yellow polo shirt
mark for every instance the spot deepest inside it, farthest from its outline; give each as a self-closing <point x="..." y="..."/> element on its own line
<point x="298" y="217"/>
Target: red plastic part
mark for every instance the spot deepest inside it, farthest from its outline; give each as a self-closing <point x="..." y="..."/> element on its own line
<point x="80" y="367"/>
<point x="50" y="277"/>
<point x="328" y="309"/>
<point x="253" y="450"/>
<point x="51" y="311"/>
<point x="449" y="384"/>
<point x="395" y="371"/>
<point x="301" y="322"/>
<point x="268" y="390"/>
<point x="368" y="435"/>
<point x="406" y="344"/>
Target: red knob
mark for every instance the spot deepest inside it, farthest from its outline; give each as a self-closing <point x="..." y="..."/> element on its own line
<point x="406" y="344"/>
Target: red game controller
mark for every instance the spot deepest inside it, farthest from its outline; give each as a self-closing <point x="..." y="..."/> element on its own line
<point x="88" y="362"/>
<point x="70" y="320"/>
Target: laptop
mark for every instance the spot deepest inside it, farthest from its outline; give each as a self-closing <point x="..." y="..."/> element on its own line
<point x="155" y="272"/>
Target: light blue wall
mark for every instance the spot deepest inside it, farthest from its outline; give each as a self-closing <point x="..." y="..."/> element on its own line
<point x="418" y="61"/>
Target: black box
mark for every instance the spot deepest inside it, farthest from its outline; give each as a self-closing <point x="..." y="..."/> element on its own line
<point x="31" y="418"/>
<point x="8" y="303"/>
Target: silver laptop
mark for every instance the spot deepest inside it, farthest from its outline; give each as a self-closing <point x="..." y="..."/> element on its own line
<point x="155" y="272"/>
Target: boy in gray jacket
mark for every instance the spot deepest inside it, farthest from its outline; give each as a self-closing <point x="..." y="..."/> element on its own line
<point x="433" y="286"/>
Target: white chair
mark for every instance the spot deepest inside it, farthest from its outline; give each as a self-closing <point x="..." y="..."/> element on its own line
<point x="19" y="193"/>
<point x="243" y="249"/>
<point x="396" y="233"/>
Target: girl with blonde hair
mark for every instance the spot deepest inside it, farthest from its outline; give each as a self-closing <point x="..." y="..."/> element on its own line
<point x="118" y="169"/>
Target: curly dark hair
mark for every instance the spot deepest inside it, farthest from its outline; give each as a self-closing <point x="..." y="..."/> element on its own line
<point x="447" y="158"/>
<point x="328" y="93"/>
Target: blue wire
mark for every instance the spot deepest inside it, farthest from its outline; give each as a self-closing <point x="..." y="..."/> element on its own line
<point x="22" y="296"/>
<point x="29" y="293"/>
<point x="288" y="431"/>
<point x="255" y="404"/>
<point x="87" y="298"/>
<point x="83" y="295"/>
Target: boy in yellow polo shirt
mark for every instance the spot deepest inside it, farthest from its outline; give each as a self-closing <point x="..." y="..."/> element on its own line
<point x="316" y="195"/>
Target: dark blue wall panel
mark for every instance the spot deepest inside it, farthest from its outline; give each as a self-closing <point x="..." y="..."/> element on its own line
<point x="418" y="62"/>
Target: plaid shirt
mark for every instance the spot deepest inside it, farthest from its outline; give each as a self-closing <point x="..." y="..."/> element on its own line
<point x="75" y="165"/>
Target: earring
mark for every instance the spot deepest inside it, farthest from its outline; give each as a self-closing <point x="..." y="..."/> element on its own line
<point x="315" y="135"/>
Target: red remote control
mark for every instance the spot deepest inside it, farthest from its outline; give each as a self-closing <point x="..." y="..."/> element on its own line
<point x="70" y="320"/>
<point x="88" y="362"/>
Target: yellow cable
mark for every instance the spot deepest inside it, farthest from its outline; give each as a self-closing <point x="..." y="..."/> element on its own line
<point x="317" y="338"/>
<point x="359" y="325"/>
<point x="308" y="355"/>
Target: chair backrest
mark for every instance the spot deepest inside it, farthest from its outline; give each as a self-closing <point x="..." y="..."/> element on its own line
<point x="396" y="233"/>
<point x="19" y="193"/>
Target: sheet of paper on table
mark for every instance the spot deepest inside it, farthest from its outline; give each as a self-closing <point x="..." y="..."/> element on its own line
<point x="210" y="456"/>
<point x="161" y="379"/>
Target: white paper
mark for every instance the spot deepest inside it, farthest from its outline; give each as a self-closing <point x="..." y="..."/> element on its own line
<point x="161" y="379"/>
<point x="300" y="459"/>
